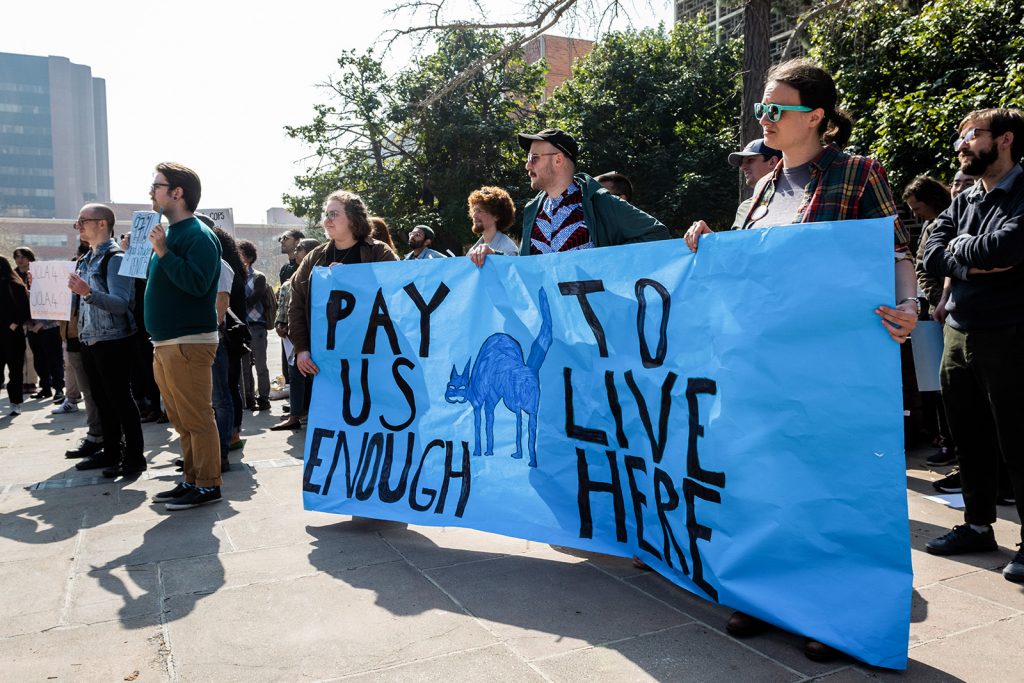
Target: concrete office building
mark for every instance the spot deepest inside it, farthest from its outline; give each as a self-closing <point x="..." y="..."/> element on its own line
<point x="726" y="18"/>
<point x="53" y="137"/>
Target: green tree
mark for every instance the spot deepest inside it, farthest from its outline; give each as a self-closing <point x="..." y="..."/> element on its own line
<point x="660" y="107"/>
<point x="910" y="71"/>
<point x="414" y="162"/>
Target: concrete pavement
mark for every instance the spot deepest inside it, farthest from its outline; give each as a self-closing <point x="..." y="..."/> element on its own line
<point x="100" y="584"/>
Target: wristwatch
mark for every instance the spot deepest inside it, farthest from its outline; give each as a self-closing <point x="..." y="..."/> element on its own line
<point x="915" y="300"/>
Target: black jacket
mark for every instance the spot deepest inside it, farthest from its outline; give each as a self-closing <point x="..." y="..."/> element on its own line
<point x="13" y="305"/>
<point x="992" y="220"/>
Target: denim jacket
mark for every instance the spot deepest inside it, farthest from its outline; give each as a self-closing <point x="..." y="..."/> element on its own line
<point x="109" y="311"/>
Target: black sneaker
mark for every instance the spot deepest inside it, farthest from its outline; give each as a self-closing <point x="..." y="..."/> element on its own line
<point x="177" y="492"/>
<point x="262" y="404"/>
<point x="940" y="458"/>
<point x="963" y="539"/>
<point x="1006" y="498"/>
<point x="1015" y="570"/>
<point x="949" y="483"/>
<point x="58" y="397"/>
<point x="86" y="449"/>
<point x="195" y="497"/>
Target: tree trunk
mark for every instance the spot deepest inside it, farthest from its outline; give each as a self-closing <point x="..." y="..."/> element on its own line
<point x="756" y="37"/>
<point x="756" y="58"/>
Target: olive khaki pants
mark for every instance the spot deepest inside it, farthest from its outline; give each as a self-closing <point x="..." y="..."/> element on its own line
<point x="184" y="373"/>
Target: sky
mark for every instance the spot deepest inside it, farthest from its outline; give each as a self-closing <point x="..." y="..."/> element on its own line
<point x="213" y="84"/>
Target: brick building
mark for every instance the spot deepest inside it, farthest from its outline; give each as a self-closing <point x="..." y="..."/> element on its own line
<point x="560" y="53"/>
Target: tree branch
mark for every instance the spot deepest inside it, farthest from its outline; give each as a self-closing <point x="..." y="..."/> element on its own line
<point x="801" y="26"/>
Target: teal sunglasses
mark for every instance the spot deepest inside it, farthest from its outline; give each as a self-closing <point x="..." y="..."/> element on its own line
<point x="774" y="111"/>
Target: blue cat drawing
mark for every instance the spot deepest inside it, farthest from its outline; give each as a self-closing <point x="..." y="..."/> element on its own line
<point x="500" y="375"/>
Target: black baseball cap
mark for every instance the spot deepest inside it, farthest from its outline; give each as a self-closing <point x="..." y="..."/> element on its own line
<point x="561" y="141"/>
<point x="754" y="147"/>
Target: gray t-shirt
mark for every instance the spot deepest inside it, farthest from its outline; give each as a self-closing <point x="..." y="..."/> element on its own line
<point x="789" y="195"/>
<point x="502" y="243"/>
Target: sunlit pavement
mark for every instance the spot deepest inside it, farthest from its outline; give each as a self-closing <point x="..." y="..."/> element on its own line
<point x="100" y="583"/>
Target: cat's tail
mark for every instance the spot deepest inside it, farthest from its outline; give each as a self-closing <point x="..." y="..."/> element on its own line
<point x="542" y="343"/>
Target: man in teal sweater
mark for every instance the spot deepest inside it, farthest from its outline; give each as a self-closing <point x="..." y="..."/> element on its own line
<point x="181" y="316"/>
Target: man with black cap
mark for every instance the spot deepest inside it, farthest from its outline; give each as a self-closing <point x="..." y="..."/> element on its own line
<point x="420" y="238"/>
<point x="755" y="162"/>
<point x="573" y="211"/>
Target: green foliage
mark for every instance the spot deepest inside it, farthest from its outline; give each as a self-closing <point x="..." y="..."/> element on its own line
<point x="417" y="164"/>
<point x="660" y="107"/>
<point x="910" y="71"/>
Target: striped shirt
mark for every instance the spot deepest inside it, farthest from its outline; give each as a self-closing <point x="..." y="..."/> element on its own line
<point x="560" y="224"/>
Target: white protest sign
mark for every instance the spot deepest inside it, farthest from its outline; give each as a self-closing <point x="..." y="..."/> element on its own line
<point x="136" y="259"/>
<point x="49" y="297"/>
<point x="222" y="218"/>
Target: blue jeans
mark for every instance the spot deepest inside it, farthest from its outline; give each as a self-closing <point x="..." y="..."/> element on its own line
<point x="223" y="408"/>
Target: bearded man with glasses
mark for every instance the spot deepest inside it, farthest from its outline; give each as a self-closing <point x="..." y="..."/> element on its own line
<point x="978" y="243"/>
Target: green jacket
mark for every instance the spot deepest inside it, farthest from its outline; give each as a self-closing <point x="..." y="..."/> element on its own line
<point x="181" y="289"/>
<point x="610" y="220"/>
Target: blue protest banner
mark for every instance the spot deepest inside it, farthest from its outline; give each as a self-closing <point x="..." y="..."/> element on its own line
<point x="732" y="417"/>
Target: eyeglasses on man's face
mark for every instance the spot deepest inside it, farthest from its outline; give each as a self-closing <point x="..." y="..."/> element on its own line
<point x="152" y="188"/>
<point x="532" y="158"/>
<point x="959" y="140"/>
<point x="774" y="111"/>
<point x="80" y="223"/>
<point x="332" y="215"/>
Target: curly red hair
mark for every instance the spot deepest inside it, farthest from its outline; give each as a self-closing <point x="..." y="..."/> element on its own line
<point x="496" y="202"/>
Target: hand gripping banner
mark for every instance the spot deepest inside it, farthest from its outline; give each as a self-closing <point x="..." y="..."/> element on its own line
<point x="732" y="417"/>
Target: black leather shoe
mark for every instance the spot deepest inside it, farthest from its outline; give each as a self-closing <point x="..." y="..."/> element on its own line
<point x="95" y="463"/>
<point x="819" y="652"/>
<point x="124" y="470"/>
<point x="742" y="625"/>
<point x="86" y="449"/>
<point x="43" y="393"/>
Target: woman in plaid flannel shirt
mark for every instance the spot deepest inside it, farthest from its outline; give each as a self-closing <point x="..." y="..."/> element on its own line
<point x="817" y="181"/>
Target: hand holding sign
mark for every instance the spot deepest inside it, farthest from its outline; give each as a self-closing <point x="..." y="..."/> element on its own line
<point x="304" y="362"/>
<point x="158" y="238"/>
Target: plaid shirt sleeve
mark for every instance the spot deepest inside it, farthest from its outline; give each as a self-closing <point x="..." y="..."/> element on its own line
<point x="852" y="187"/>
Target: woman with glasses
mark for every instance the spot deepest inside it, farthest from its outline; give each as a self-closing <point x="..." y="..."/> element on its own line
<point x="817" y="181"/>
<point x="349" y="243"/>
